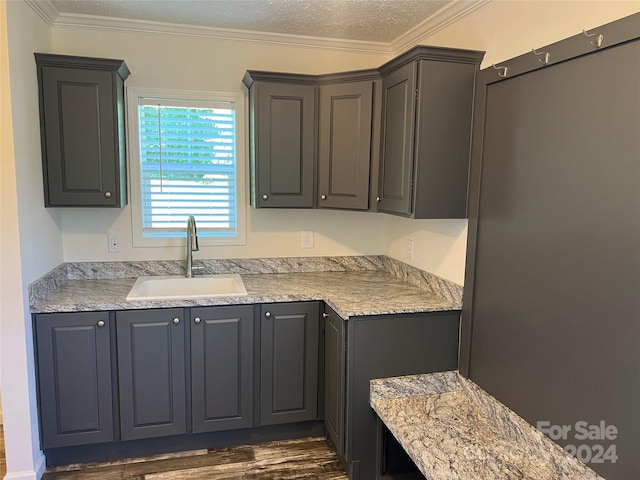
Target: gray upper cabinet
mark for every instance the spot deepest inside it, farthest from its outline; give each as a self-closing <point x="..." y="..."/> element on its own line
<point x="282" y="141"/>
<point x="151" y="373"/>
<point x="74" y="378"/>
<point x="314" y="139"/>
<point x="345" y="144"/>
<point x="222" y="367"/>
<point x="82" y="130"/>
<point x="289" y="362"/>
<point x="427" y="106"/>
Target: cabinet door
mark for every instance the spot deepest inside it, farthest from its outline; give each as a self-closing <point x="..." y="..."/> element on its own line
<point x="284" y="145"/>
<point x="344" y="147"/>
<point x="334" y="371"/>
<point x="398" y="126"/>
<point x="82" y="122"/>
<point x="222" y="367"/>
<point x="74" y="378"/>
<point x="151" y="365"/>
<point x="289" y="362"/>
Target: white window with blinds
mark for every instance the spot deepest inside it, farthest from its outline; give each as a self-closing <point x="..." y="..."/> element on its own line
<point x="186" y="158"/>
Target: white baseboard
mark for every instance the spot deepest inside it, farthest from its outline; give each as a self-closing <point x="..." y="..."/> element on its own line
<point x="35" y="474"/>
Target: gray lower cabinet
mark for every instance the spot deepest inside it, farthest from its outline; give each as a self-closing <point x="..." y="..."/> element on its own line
<point x="334" y="371"/>
<point x="427" y="106"/>
<point x="364" y="348"/>
<point x="221" y="367"/>
<point x="82" y="130"/>
<point x="74" y="378"/>
<point x="151" y="372"/>
<point x="289" y="362"/>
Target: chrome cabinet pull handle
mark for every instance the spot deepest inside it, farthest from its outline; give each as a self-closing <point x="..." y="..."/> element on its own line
<point x="267" y="314"/>
<point x="196" y="320"/>
<point x="101" y="323"/>
<point x="107" y="194"/>
<point x="176" y="321"/>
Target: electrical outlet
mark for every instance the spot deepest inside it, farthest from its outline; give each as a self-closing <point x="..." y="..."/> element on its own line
<point x="307" y="239"/>
<point x="409" y="249"/>
<point x="114" y="243"/>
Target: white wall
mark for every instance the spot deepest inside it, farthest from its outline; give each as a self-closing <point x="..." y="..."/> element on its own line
<point x="504" y="29"/>
<point x="190" y="63"/>
<point x="31" y="235"/>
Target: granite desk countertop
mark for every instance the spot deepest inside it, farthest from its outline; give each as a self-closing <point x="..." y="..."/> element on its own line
<point x="349" y="293"/>
<point x="454" y="430"/>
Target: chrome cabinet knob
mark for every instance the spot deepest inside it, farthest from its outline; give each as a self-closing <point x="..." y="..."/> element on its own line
<point x="101" y="323"/>
<point x="323" y="197"/>
<point x="197" y="320"/>
<point x="265" y="196"/>
<point x="176" y="321"/>
<point x="325" y="315"/>
<point x="377" y="199"/>
<point x="267" y="314"/>
<point x="107" y="194"/>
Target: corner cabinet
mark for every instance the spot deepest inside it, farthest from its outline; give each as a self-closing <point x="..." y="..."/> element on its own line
<point x="313" y="139"/>
<point x="427" y="107"/>
<point x="82" y="130"/>
<point x="289" y="348"/>
<point x="74" y="378"/>
<point x="348" y="141"/>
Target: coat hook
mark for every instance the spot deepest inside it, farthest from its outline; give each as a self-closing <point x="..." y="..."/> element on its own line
<point x="503" y="73"/>
<point x="545" y="60"/>
<point x="599" y="38"/>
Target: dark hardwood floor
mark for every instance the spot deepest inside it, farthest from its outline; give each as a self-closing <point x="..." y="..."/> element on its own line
<point x="308" y="458"/>
<point x="3" y="461"/>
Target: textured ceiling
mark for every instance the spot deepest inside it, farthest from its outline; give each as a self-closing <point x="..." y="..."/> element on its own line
<point x="361" y="20"/>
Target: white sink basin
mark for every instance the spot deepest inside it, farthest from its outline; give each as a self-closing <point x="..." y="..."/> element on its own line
<point x="175" y="287"/>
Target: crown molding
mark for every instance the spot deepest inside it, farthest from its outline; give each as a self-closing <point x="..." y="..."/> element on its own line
<point x="445" y="16"/>
<point x="442" y="18"/>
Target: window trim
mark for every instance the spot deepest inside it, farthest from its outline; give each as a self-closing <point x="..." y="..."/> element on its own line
<point x="133" y="153"/>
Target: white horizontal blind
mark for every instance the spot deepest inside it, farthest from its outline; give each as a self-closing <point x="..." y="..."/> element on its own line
<point x="187" y="166"/>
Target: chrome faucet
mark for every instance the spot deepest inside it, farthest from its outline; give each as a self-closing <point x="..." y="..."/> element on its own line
<point x="192" y="244"/>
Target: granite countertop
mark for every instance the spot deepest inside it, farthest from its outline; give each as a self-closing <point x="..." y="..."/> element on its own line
<point x="454" y="430"/>
<point x="350" y="292"/>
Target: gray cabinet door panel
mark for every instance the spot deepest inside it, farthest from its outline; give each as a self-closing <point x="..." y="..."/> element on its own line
<point x="74" y="378"/>
<point x="82" y="130"/>
<point x="78" y="113"/>
<point x="285" y="144"/>
<point x="344" y="147"/>
<point x="289" y="362"/>
<point x="151" y="367"/>
<point x="222" y="367"/>
<point x="398" y="116"/>
<point x="334" y="371"/>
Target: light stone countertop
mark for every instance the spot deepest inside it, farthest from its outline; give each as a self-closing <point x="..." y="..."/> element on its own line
<point x="454" y="430"/>
<point x="349" y="293"/>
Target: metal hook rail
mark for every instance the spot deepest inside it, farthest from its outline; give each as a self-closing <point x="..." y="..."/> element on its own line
<point x="545" y="60"/>
<point x="503" y="73"/>
<point x="597" y="43"/>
